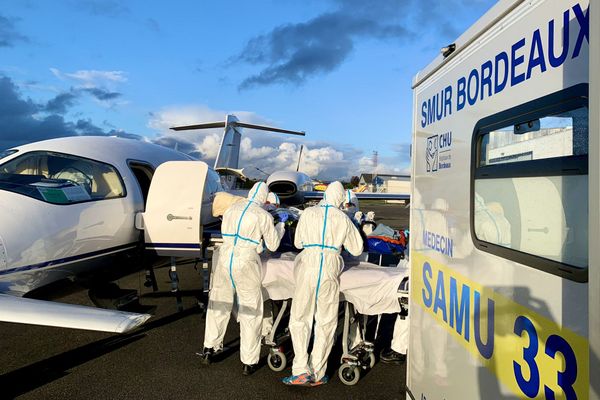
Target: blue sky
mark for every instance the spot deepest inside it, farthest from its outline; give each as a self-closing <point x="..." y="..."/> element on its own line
<point x="339" y="70"/>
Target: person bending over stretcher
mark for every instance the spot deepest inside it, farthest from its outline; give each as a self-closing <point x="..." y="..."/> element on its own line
<point x="238" y="273"/>
<point x="321" y="232"/>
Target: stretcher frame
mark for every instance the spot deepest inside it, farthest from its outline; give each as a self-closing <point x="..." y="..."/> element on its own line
<point x="359" y="357"/>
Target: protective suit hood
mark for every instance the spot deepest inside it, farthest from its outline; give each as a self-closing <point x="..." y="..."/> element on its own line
<point x="272" y="198"/>
<point x="334" y="195"/>
<point x="258" y="193"/>
<point x="350" y="204"/>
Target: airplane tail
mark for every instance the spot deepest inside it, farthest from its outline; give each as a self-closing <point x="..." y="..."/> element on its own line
<point x="229" y="151"/>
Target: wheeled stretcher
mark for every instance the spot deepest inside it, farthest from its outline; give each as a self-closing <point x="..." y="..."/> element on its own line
<point x="366" y="289"/>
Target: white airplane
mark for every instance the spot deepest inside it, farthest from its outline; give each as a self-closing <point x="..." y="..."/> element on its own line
<point x="68" y="211"/>
<point x="294" y="188"/>
<point x="72" y="209"/>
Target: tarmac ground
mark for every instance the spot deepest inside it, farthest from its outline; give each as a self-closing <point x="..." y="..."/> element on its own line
<point x="158" y="360"/>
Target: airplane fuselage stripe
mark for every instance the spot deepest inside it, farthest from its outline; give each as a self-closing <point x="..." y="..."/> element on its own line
<point x="61" y="261"/>
<point x="195" y="246"/>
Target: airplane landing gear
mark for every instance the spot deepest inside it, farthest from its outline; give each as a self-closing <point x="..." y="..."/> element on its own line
<point x="110" y="296"/>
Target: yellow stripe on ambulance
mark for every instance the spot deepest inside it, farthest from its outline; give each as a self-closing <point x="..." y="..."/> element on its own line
<point x="530" y="354"/>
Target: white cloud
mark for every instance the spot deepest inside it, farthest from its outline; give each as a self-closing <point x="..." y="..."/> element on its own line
<point x="384" y="166"/>
<point x="248" y="152"/>
<point x="269" y="152"/>
<point x="92" y="78"/>
<point x="209" y="147"/>
<point x="183" y="115"/>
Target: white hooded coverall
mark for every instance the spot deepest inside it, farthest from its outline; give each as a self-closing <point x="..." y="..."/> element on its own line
<point x="238" y="272"/>
<point x="321" y="232"/>
<point x="272" y="202"/>
<point x="273" y="199"/>
<point x="350" y="203"/>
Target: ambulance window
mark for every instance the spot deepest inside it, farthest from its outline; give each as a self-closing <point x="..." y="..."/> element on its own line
<point x="60" y="178"/>
<point x="559" y="135"/>
<point x="530" y="184"/>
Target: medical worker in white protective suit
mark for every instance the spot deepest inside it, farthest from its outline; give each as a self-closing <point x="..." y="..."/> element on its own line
<point x="272" y="202"/>
<point x="321" y="232"/>
<point x="238" y="272"/>
<point x="350" y="204"/>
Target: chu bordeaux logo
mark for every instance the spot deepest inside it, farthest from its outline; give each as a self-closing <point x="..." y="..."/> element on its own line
<point x="437" y="154"/>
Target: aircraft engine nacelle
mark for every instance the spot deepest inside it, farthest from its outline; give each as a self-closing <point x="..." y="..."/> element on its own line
<point x="287" y="191"/>
<point x="290" y="186"/>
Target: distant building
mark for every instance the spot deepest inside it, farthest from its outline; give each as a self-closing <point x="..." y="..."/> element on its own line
<point x="385" y="183"/>
<point x="365" y="180"/>
<point x="505" y="147"/>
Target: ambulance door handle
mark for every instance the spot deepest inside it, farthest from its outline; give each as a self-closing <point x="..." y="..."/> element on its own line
<point x="171" y="217"/>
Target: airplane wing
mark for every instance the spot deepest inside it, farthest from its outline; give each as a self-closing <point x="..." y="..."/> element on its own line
<point x="362" y="196"/>
<point x="39" y="312"/>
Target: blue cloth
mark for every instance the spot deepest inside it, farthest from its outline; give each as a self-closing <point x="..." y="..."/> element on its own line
<point x="376" y="245"/>
<point x="283" y="216"/>
<point x="384" y="230"/>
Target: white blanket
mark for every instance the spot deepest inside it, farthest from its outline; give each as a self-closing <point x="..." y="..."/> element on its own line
<point x="371" y="289"/>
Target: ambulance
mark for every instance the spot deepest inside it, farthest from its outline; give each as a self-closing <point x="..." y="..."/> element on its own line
<point x="505" y="221"/>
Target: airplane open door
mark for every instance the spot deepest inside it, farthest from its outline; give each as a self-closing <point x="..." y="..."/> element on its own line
<point x="172" y="220"/>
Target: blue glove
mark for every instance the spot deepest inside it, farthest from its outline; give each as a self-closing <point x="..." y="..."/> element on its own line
<point x="283" y="217"/>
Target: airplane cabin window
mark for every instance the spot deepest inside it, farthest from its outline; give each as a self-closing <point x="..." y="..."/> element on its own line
<point x="60" y="178"/>
<point x="529" y="197"/>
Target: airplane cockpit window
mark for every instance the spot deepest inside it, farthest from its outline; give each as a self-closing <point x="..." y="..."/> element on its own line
<point x="60" y="179"/>
<point x="6" y="153"/>
<point x="530" y="184"/>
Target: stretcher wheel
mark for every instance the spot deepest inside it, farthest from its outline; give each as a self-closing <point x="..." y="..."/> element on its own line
<point x="277" y="361"/>
<point x="371" y="360"/>
<point x="349" y="374"/>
